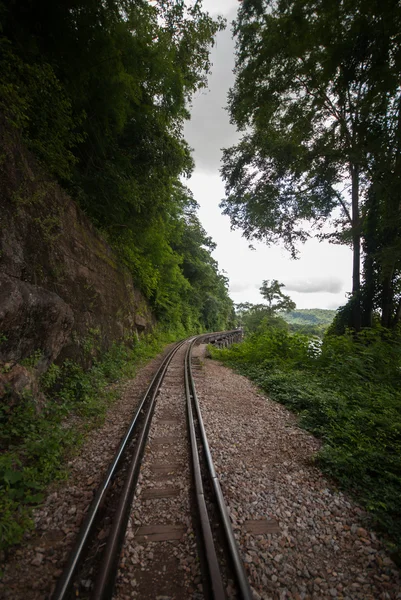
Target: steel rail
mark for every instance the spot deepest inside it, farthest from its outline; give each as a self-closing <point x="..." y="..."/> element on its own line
<point x="104" y="583"/>
<point x="212" y="563"/>
<point x="67" y="578"/>
<point x="236" y="561"/>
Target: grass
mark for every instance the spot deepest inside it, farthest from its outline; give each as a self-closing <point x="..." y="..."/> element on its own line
<point x="36" y="444"/>
<point x="349" y="395"/>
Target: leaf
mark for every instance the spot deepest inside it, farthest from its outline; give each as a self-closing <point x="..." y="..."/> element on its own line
<point x="12" y="477"/>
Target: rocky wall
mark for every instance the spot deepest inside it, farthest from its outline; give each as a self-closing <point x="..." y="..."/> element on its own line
<point x="60" y="282"/>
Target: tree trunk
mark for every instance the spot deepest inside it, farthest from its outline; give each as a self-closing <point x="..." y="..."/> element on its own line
<point x="356" y="247"/>
<point x="391" y="233"/>
<point x="368" y="291"/>
<point x="397" y="314"/>
<point x="387" y="301"/>
<point x="370" y="245"/>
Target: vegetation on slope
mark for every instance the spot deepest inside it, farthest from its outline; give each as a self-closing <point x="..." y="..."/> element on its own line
<point x="310" y="316"/>
<point x="35" y="444"/>
<point x="311" y="321"/>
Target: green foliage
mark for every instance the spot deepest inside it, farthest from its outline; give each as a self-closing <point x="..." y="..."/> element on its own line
<point x="50" y="131"/>
<point x="347" y="391"/>
<point x="271" y="347"/>
<point x="32" y="361"/>
<point x="106" y="86"/>
<point x="100" y="92"/>
<point x="276" y="300"/>
<point x="309" y="321"/>
<point x="171" y="262"/>
<point x="257" y="317"/>
<point x="317" y="97"/>
<point x="37" y="442"/>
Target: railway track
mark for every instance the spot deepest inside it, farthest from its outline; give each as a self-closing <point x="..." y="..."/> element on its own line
<point x="172" y="449"/>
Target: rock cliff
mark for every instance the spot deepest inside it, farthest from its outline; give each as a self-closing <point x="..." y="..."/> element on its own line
<point x="59" y="280"/>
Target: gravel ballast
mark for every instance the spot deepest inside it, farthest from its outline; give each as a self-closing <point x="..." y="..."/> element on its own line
<point x="32" y="569"/>
<point x="324" y="547"/>
<point x="163" y="569"/>
<point x="320" y="545"/>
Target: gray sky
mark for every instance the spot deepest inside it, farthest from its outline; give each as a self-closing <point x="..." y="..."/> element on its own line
<point x="321" y="276"/>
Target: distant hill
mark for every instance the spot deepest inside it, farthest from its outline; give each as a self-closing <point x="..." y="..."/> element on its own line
<point x="309" y="316"/>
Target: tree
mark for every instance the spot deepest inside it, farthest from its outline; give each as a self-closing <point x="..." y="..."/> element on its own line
<point x="254" y="317"/>
<point x="317" y="85"/>
<point x="276" y="300"/>
<point x="382" y="227"/>
<point x="257" y="317"/>
<point x="122" y="72"/>
<point x="100" y="92"/>
<point x="242" y="309"/>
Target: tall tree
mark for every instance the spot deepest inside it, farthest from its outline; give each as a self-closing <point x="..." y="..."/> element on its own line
<point x="382" y="231"/>
<point x="276" y="300"/>
<point x="315" y="86"/>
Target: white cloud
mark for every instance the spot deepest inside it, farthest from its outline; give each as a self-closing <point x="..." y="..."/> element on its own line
<point x="310" y="285"/>
<point x="209" y="129"/>
<point x="237" y="287"/>
<point x="222" y="7"/>
<point x="248" y="268"/>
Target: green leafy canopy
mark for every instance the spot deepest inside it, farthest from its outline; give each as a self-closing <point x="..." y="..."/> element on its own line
<point x="317" y="95"/>
<point x="100" y="92"/>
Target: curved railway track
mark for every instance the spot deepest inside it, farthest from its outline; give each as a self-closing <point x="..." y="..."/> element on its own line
<point x="93" y="564"/>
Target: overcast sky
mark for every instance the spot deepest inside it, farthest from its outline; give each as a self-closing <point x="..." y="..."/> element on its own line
<point x="322" y="275"/>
